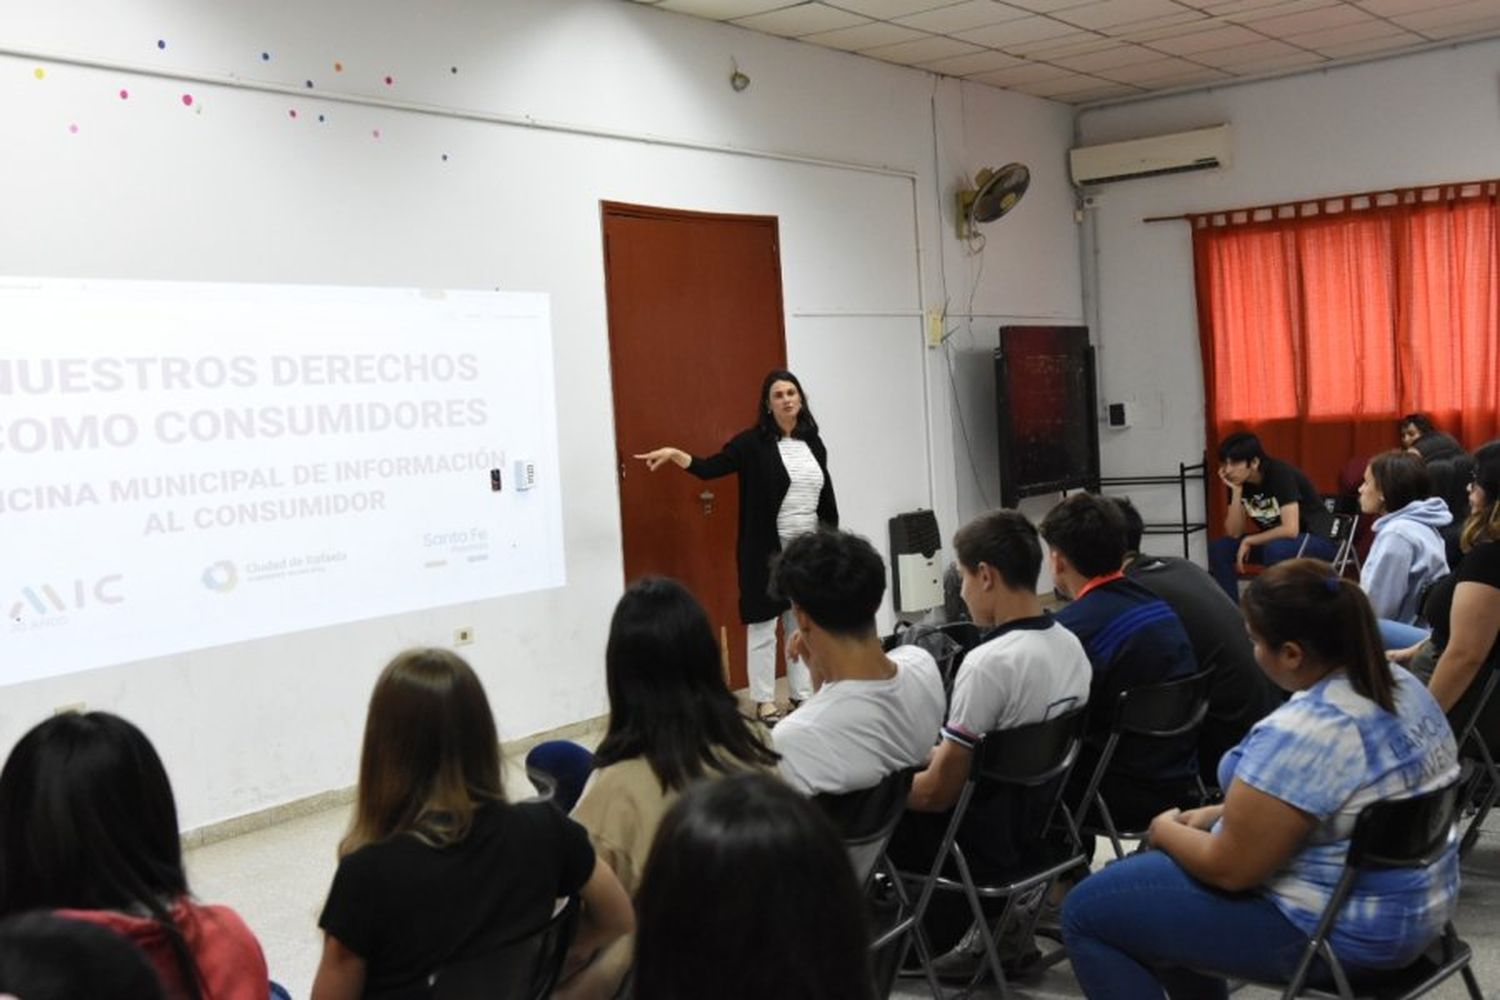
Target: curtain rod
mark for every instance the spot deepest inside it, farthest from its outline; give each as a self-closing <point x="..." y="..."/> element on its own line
<point x="1457" y="188"/>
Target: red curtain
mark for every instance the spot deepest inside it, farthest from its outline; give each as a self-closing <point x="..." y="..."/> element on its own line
<point x="1322" y="323"/>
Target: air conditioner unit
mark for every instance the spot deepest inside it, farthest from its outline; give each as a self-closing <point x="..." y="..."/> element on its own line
<point x="1200" y="149"/>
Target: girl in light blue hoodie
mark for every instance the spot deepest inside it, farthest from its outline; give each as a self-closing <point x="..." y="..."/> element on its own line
<point x="1408" y="551"/>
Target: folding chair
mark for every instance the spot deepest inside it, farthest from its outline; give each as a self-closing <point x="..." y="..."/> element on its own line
<point x="866" y="820"/>
<point x="1169" y="710"/>
<point x="524" y="969"/>
<point x="1028" y="757"/>
<point x="1407" y="833"/>
<point x="1476" y="721"/>
<point x="1336" y="528"/>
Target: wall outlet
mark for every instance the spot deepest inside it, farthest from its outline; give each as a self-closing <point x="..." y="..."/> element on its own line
<point x="934" y="327"/>
<point x="74" y="706"/>
<point x="463" y="635"/>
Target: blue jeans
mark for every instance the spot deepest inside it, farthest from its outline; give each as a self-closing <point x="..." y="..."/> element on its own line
<point x="1221" y="553"/>
<point x="1136" y="928"/>
<point x="1399" y="635"/>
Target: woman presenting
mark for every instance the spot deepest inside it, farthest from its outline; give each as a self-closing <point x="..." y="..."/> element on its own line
<point x="784" y="492"/>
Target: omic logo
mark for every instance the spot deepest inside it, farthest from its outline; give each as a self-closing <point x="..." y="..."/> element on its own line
<point x="221" y="577"/>
<point x="46" y="599"/>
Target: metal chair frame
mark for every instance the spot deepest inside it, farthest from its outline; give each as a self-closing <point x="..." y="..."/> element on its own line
<point x="1028" y="756"/>
<point x="1187" y="700"/>
<point x="495" y="971"/>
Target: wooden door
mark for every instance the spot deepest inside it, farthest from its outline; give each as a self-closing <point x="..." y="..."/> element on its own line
<point x="695" y="322"/>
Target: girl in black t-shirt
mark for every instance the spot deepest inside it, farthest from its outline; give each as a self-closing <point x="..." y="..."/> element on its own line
<point x="1472" y="620"/>
<point x="437" y="867"/>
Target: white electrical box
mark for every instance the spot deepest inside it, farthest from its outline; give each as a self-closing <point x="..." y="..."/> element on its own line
<point x="919" y="581"/>
<point x="525" y="474"/>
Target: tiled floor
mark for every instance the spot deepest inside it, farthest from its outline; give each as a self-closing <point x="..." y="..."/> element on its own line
<point x="276" y="879"/>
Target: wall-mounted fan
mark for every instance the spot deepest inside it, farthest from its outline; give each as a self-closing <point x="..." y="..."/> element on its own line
<point x="994" y="193"/>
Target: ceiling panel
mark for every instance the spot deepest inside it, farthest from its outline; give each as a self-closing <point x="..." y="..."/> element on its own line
<point x="1078" y="51"/>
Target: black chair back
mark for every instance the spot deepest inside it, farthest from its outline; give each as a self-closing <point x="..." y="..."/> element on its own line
<point x="1171" y="708"/>
<point x="865" y="819"/>
<point x="523" y="969"/>
<point x="1406" y="833"/>
<point x="1031" y="755"/>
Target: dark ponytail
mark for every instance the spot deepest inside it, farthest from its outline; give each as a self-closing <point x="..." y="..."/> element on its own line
<point x="1304" y="601"/>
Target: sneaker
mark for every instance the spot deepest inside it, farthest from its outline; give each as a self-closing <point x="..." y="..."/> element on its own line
<point x="768" y="713"/>
<point x="1018" y="953"/>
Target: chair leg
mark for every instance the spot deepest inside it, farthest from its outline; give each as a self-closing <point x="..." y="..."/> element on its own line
<point x="1109" y="827"/>
<point x="1472" y="984"/>
<point x="991" y="953"/>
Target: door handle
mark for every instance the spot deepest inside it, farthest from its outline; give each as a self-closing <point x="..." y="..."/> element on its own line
<point x="706" y="498"/>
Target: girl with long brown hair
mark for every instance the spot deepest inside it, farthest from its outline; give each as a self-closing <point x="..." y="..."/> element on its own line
<point x="437" y="866"/>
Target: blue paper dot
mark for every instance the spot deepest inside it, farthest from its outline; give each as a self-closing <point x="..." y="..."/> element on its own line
<point x="265" y="57"/>
<point x="309" y="85"/>
<point x="445" y="157"/>
<point x="161" y="43"/>
<point x="321" y="118"/>
<point x="453" y="69"/>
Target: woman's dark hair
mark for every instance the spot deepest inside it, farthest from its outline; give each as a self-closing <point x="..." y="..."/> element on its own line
<point x="1483" y="524"/>
<point x="667" y="699"/>
<point x="47" y="957"/>
<point x="749" y="893"/>
<point x="88" y="822"/>
<point x="1305" y="602"/>
<point x="1421" y="421"/>
<point x="1401" y="478"/>
<point x="764" y="419"/>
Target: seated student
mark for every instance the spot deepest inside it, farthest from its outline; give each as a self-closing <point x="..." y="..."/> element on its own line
<point x="749" y="894"/>
<point x="671" y="722"/>
<point x="1027" y="668"/>
<point x="1464" y="607"/>
<point x="1239" y="694"/>
<point x="1132" y="638"/>
<point x="46" y="957"/>
<point x="1270" y="502"/>
<point x="876" y="712"/>
<point x="437" y="867"/>
<point x="1414" y="427"/>
<point x="1237" y="888"/>
<point x="1450" y="477"/>
<point x="1408" y="554"/>
<point x="88" y="827"/>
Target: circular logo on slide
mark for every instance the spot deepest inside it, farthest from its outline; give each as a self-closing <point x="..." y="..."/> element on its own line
<point x="221" y="577"/>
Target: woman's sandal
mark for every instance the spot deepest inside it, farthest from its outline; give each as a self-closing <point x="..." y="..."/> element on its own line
<point x="768" y="712"/>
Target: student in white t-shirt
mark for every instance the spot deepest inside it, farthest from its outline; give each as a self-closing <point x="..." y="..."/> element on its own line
<point x="875" y="712"/>
<point x="1026" y="669"/>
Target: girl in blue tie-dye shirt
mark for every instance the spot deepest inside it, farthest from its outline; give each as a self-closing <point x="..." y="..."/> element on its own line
<point x="1238" y="888"/>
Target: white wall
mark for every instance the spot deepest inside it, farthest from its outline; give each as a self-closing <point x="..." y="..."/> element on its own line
<point x="233" y="188"/>
<point x="1429" y="117"/>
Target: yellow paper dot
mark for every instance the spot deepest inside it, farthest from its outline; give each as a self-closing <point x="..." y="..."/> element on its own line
<point x="39" y="72"/>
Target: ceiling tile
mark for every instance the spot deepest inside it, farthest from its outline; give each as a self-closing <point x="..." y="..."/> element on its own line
<point x="1028" y="73"/>
<point x="803" y="19"/>
<point x="1103" y="93"/>
<point x="1255" y="52"/>
<point x="886" y="9"/>
<point x="1390" y="8"/>
<point x="1011" y="33"/>
<point x="1199" y="74"/>
<point x="1307" y="21"/>
<point x="1319" y="40"/>
<point x="1110" y="13"/>
<point x="980" y="62"/>
<point x="962" y="16"/>
<point x="1152" y="70"/>
<point x="1369" y="46"/>
<point x="1481" y="28"/>
<point x="864" y="36"/>
<point x="1206" y="41"/>
<point x="1072" y="45"/>
<point x="1296" y="59"/>
<point x="720" y="10"/>
<point x="1469" y="10"/>
<point x="1048" y="6"/>
<point x="1073" y="83"/>
<point x="922" y="50"/>
<point x="1103" y="59"/>
<point x="1244" y="10"/>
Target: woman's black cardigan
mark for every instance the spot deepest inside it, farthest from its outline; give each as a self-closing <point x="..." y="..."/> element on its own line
<point x="754" y="455"/>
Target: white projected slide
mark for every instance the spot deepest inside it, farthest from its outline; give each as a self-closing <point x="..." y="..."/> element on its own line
<point x="189" y="465"/>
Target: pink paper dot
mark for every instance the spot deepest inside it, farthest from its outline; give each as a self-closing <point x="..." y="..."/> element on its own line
<point x="124" y="94"/>
<point x="390" y="80"/>
<point x="187" y="100"/>
<point x="73" y="129"/>
<point x="293" y="112"/>
<point x="375" y="133"/>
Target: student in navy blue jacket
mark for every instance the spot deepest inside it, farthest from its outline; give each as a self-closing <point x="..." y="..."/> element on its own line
<point x="785" y="491"/>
